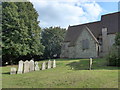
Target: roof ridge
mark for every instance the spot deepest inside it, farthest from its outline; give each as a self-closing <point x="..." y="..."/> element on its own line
<point x="85" y="24"/>
<point x="110" y="13"/>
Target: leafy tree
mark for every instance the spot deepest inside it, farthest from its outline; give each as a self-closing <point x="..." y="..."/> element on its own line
<point x="117" y="39"/>
<point x="0" y="34"/>
<point x="52" y="39"/>
<point x="114" y="55"/>
<point x="20" y="31"/>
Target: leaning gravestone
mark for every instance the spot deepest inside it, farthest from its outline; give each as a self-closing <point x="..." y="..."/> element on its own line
<point x="26" y="66"/>
<point x="20" y="67"/>
<point x="31" y="65"/>
<point x="43" y="66"/>
<point x="90" y="64"/>
<point x="54" y="64"/>
<point x="49" y="64"/>
<point x="13" y="70"/>
<point x="36" y="66"/>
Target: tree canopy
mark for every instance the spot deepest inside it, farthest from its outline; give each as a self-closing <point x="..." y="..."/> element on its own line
<point x="52" y="39"/>
<point x="114" y="55"/>
<point x="117" y="39"/>
<point x="21" y="33"/>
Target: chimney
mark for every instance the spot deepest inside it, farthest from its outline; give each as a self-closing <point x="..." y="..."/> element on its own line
<point x="104" y="41"/>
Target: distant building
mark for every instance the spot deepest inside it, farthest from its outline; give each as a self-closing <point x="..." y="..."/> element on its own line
<point x="91" y="39"/>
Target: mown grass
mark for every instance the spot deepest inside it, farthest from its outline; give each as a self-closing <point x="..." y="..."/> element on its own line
<point x="69" y="73"/>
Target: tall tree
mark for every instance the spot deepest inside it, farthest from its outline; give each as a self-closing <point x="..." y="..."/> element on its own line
<point x="52" y="39"/>
<point x="117" y="39"/>
<point x="20" y="31"/>
<point x="114" y="55"/>
<point x="0" y="34"/>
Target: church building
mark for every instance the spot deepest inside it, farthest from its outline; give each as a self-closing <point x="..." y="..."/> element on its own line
<point x="91" y="39"/>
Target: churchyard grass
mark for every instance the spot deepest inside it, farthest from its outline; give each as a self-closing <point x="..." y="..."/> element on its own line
<point x="69" y="73"/>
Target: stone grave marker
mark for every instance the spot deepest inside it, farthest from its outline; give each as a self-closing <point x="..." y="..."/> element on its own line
<point x="49" y="64"/>
<point x="20" y="67"/>
<point x="43" y="66"/>
<point x="26" y="66"/>
<point x="90" y="64"/>
<point x="36" y="66"/>
<point x="13" y="70"/>
<point x="54" y="64"/>
<point x="32" y="66"/>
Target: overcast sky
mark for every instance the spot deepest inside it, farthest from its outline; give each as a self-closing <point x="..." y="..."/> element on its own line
<point x="71" y="12"/>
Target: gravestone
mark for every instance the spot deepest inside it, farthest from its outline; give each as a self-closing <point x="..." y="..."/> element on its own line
<point x="90" y="64"/>
<point x="54" y="64"/>
<point x="13" y="70"/>
<point x="20" y="67"/>
<point x="49" y="64"/>
<point x="43" y="66"/>
<point x="36" y="66"/>
<point x="32" y="66"/>
<point x="26" y="66"/>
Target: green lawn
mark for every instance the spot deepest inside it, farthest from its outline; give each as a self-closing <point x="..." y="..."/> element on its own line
<point x="101" y="76"/>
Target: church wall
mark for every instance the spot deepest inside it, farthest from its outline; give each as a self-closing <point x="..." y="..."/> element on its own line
<point x="64" y="50"/>
<point x="111" y="40"/>
<point x="107" y="41"/>
<point x="72" y="52"/>
<point x="78" y="52"/>
<point x="104" y="41"/>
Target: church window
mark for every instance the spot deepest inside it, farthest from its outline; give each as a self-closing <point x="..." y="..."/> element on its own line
<point x="85" y="44"/>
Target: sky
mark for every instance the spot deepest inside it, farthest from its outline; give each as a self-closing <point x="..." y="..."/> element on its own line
<point x="71" y="12"/>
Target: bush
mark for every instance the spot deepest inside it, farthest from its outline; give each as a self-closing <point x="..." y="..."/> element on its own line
<point x="113" y="57"/>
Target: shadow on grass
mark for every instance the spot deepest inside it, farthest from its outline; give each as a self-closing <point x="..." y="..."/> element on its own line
<point x="98" y="64"/>
<point x="6" y="73"/>
<point x="61" y="59"/>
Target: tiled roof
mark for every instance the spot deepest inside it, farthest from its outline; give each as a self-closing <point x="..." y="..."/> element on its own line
<point x="109" y="21"/>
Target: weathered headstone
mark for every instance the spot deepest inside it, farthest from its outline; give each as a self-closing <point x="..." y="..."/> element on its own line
<point x="20" y="67"/>
<point x="13" y="70"/>
<point x="32" y="65"/>
<point x="43" y="66"/>
<point x="36" y="66"/>
<point x="26" y="66"/>
<point x="49" y="64"/>
<point x="90" y="64"/>
<point x="54" y="64"/>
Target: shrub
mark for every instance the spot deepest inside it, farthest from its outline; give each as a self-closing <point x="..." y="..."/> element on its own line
<point x="113" y="57"/>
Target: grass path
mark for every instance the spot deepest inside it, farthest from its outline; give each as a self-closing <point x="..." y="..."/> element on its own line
<point x="101" y="76"/>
